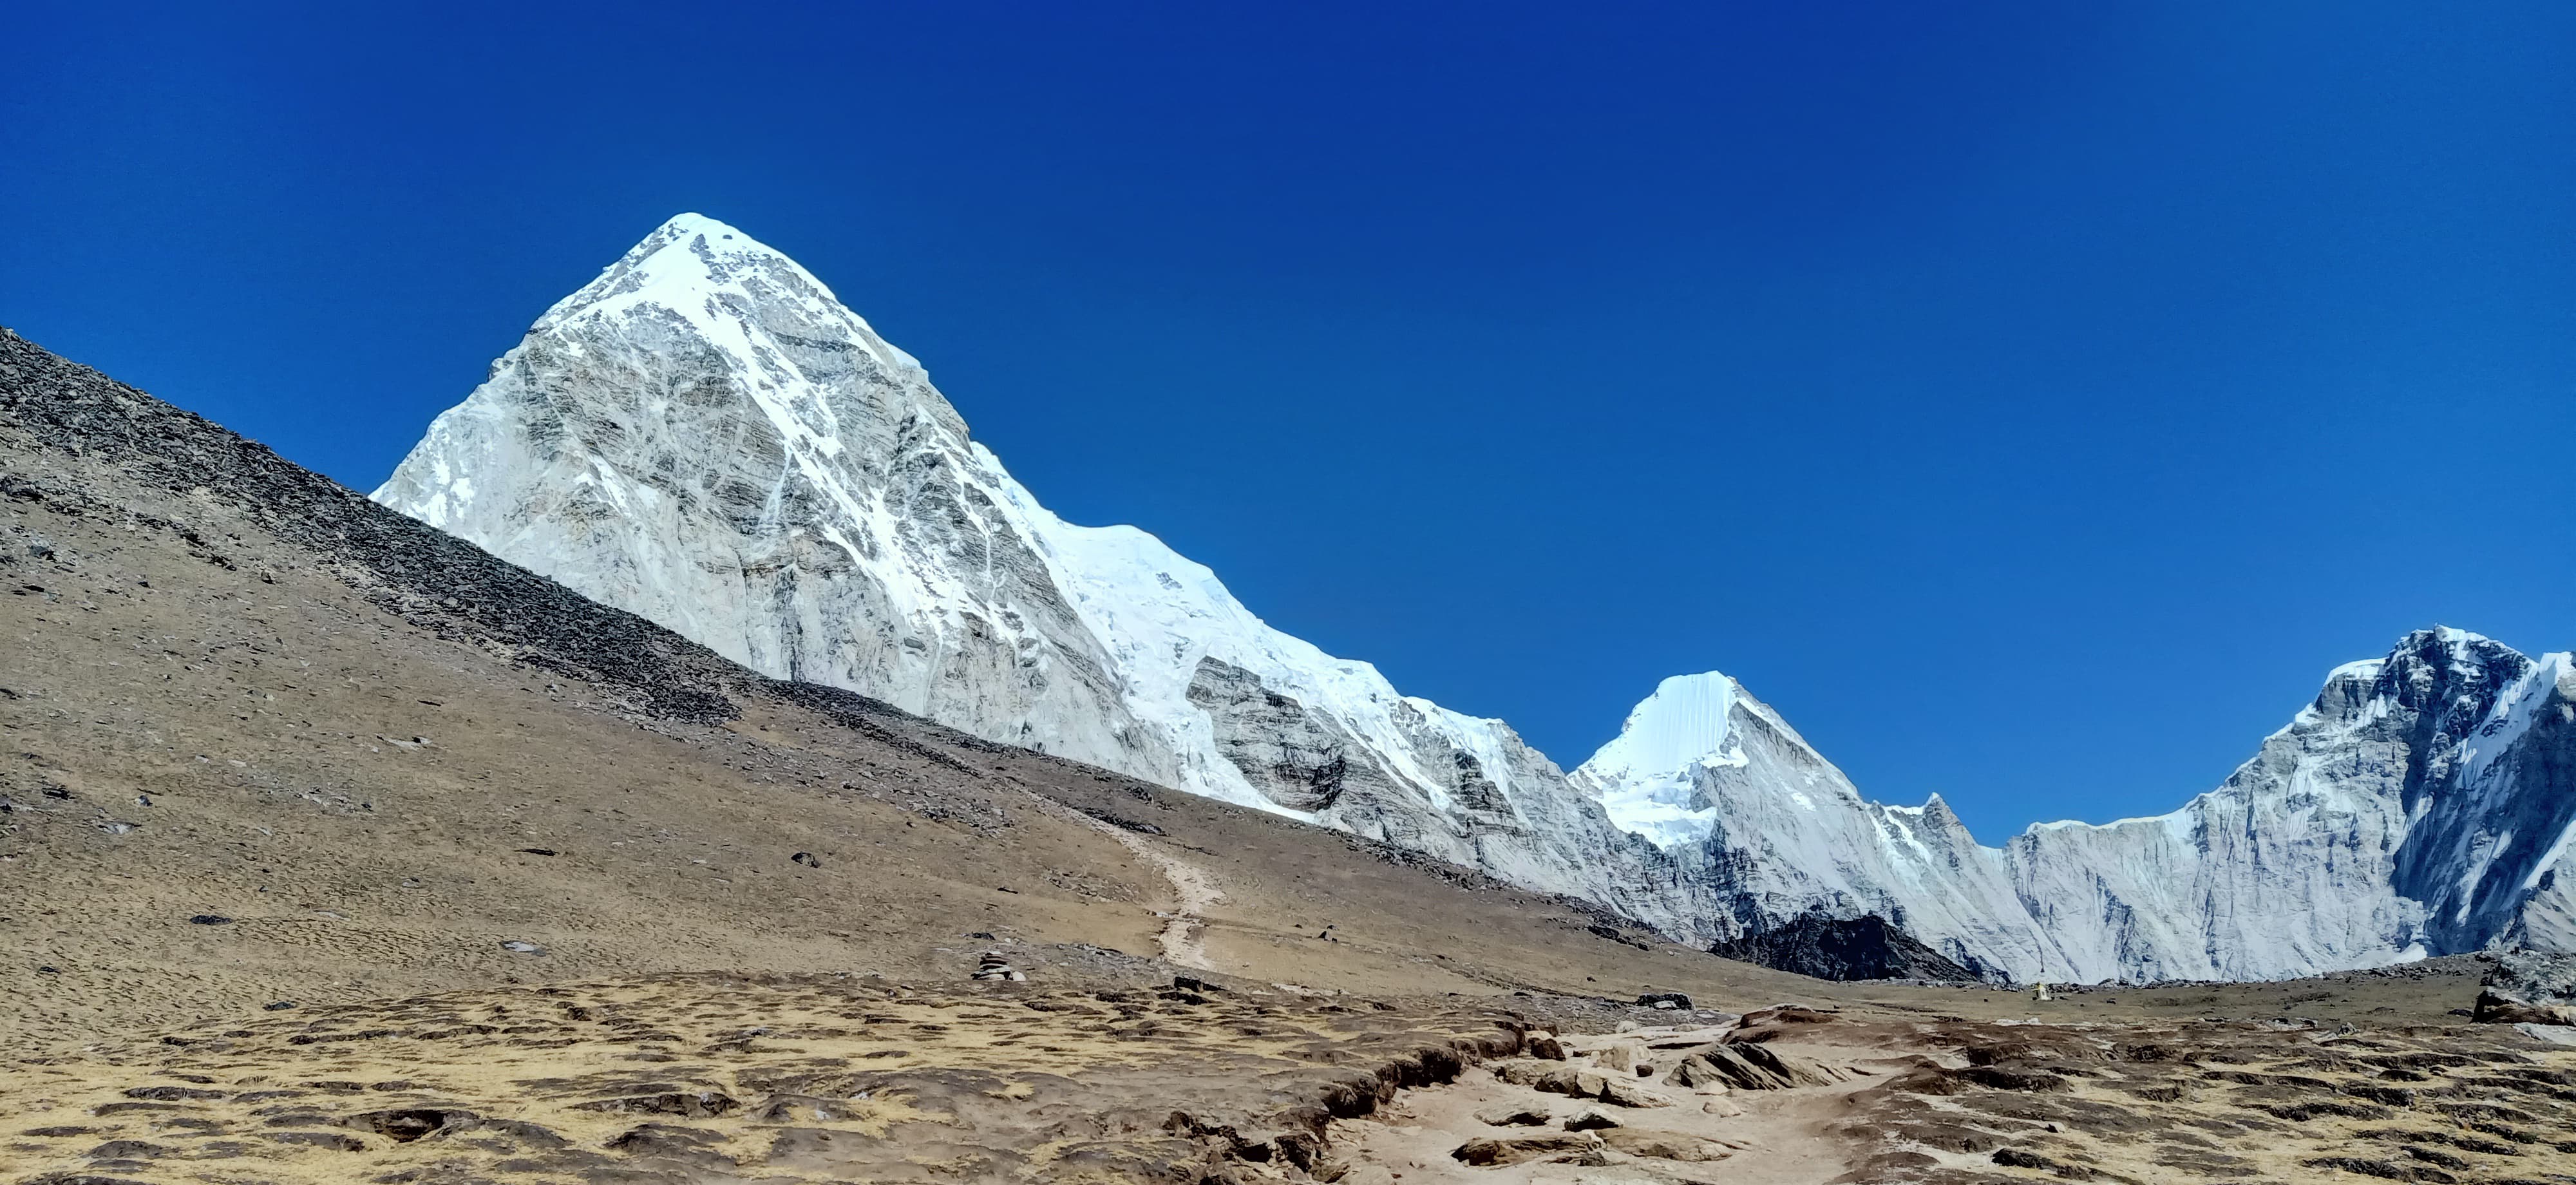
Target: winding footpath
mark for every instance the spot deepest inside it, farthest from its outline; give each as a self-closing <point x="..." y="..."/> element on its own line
<point x="1184" y="935"/>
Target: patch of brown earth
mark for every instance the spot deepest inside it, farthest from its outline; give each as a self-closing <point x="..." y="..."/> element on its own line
<point x="2223" y="1101"/>
<point x="1868" y="1099"/>
<point x="720" y="1078"/>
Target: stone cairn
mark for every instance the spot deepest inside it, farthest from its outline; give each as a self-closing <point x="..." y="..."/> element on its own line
<point x="996" y="967"/>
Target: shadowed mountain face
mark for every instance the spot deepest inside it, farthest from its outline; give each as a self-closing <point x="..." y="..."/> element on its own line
<point x="2489" y="742"/>
<point x="707" y="437"/>
<point x="1844" y="948"/>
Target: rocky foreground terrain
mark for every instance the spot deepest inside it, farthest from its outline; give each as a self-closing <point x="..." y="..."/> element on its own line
<point x="731" y="1078"/>
<point x="334" y="849"/>
<point x="724" y="1078"/>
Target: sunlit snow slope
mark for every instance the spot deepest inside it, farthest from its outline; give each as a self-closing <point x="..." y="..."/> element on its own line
<point x="704" y="435"/>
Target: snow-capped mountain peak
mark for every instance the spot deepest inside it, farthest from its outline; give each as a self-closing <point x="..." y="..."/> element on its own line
<point x="706" y="436"/>
<point x="1643" y="777"/>
<point x="2423" y="803"/>
<point x="1683" y="721"/>
<point x="691" y="258"/>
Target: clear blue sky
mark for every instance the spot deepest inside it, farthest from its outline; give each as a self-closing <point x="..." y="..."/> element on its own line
<point x="2032" y="401"/>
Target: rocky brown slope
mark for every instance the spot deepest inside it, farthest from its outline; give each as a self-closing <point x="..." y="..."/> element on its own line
<point x="373" y="755"/>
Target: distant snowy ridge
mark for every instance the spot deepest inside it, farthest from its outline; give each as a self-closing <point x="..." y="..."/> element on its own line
<point x="706" y="436"/>
<point x="2423" y="804"/>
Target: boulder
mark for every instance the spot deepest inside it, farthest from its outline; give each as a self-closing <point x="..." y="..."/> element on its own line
<point x="1692" y="1038"/>
<point x="1749" y="1067"/>
<point x="1581" y="1084"/>
<point x="1668" y="1000"/>
<point x="1698" y="1073"/>
<point x="1667" y="1146"/>
<point x="1585" y="1084"/>
<point x="1619" y="1057"/>
<point x="1302" y="1150"/>
<point x="2528" y="987"/>
<point x="1512" y="1116"/>
<point x="1491" y="1153"/>
<point x="1590" y="1121"/>
<point x="1629" y="1094"/>
<point x="1763" y="1023"/>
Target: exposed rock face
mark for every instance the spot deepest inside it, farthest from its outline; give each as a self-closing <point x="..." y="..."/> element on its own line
<point x="1294" y="758"/>
<point x="2529" y="987"/>
<point x="706" y="437"/>
<point x="1844" y="948"/>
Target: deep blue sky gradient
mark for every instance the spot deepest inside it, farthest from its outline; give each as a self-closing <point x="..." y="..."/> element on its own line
<point x="2030" y="400"/>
